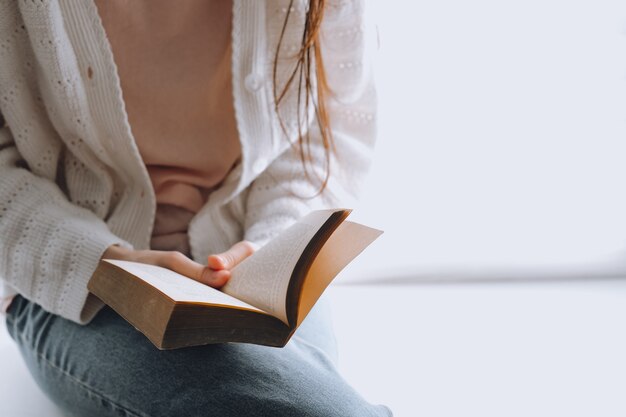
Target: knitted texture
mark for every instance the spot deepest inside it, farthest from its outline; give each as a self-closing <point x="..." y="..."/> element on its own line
<point x="72" y="181"/>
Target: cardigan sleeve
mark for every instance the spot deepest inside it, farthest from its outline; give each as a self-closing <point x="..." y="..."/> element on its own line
<point x="49" y="247"/>
<point x="281" y="194"/>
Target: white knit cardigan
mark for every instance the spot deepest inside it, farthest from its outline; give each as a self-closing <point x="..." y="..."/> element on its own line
<point x="72" y="181"/>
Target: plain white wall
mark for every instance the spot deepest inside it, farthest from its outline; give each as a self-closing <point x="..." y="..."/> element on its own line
<point x="502" y="139"/>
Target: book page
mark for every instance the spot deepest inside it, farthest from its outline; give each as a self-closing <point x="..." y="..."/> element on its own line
<point x="263" y="278"/>
<point x="345" y="244"/>
<point x="179" y="287"/>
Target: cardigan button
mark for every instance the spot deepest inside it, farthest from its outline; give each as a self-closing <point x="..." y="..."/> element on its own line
<point x="253" y="82"/>
<point x="259" y="165"/>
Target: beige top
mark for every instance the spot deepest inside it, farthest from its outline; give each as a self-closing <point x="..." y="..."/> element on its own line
<point x="174" y="63"/>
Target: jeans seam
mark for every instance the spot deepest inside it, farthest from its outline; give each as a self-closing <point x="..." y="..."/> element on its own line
<point x="88" y="388"/>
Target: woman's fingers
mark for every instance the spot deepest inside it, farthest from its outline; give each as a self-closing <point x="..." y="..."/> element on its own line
<point x="178" y="262"/>
<point x="216" y="262"/>
<point x="214" y="278"/>
<point x="229" y="259"/>
<point x="215" y="274"/>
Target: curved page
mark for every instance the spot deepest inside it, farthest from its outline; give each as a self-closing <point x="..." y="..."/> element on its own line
<point x="263" y="278"/>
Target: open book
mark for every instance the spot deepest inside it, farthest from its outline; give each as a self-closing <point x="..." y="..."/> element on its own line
<point x="267" y="297"/>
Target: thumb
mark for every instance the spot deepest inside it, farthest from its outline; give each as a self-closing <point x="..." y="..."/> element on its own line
<point x="233" y="256"/>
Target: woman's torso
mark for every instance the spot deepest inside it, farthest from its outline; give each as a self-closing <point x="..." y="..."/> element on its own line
<point x="174" y="64"/>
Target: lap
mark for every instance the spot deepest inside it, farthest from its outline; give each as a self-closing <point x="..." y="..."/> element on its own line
<point x="108" y="368"/>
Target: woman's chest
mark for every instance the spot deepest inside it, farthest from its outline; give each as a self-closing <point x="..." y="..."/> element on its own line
<point x="174" y="64"/>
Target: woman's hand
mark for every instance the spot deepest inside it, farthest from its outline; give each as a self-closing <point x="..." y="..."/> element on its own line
<point x="215" y="274"/>
<point x="222" y="263"/>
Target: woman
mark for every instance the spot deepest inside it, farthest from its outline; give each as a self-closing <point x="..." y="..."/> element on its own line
<point x="244" y="117"/>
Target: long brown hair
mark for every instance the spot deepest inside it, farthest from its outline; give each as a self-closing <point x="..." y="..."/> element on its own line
<point x="309" y="65"/>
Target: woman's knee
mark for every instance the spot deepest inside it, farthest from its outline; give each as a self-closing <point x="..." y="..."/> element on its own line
<point x="291" y="382"/>
<point x="112" y="369"/>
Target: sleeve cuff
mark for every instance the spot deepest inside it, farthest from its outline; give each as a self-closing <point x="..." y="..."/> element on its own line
<point x="77" y="303"/>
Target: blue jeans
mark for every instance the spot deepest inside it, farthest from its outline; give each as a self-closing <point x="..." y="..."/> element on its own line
<point x="107" y="368"/>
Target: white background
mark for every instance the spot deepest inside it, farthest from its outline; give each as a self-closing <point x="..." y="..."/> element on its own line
<point x="501" y="156"/>
<point x="502" y="139"/>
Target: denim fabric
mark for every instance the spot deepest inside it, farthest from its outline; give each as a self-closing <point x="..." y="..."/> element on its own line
<point x="108" y="368"/>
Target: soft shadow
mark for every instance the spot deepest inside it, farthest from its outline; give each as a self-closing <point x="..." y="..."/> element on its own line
<point x="487" y="276"/>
